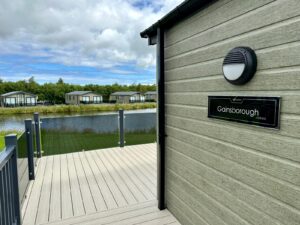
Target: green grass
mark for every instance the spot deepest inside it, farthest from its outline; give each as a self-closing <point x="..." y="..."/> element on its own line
<point x="66" y="142"/>
<point x="75" y="108"/>
<point x="2" y="136"/>
<point x="54" y="142"/>
<point x="22" y="150"/>
<point x="1" y="142"/>
<point x="138" y="138"/>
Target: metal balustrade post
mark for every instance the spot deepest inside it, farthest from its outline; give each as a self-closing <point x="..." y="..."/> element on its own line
<point x="12" y="141"/>
<point x="30" y="151"/>
<point x="121" y="128"/>
<point x="37" y="134"/>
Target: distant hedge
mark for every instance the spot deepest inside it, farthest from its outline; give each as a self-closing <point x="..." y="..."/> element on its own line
<point x="75" y="108"/>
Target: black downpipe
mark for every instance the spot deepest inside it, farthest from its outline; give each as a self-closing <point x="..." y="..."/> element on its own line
<point x="161" y="119"/>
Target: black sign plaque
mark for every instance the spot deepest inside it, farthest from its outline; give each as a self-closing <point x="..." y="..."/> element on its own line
<point x="259" y="111"/>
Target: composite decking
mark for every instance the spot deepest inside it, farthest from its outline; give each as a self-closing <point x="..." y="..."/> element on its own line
<point x="107" y="186"/>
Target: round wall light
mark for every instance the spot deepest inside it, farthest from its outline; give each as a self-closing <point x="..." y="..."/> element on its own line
<point x="239" y="65"/>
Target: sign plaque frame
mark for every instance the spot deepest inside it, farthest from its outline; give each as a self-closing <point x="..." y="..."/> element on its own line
<point x="252" y="110"/>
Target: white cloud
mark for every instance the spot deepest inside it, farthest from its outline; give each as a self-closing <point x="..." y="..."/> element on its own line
<point x="50" y="78"/>
<point x="101" y="33"/>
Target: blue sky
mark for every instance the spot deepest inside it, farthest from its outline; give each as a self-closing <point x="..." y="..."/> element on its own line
<point x="20" y="67"/>
<point x="82" y="42"/>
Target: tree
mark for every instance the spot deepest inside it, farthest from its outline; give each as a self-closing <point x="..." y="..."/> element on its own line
<point x="31" y="80"/>
<point x="60" y="81"/>
<point x="55" y="92"/>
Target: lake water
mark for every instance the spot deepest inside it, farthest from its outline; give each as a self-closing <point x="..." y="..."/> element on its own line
<point x="16" y="122"/>
<point x="87" y="132"/>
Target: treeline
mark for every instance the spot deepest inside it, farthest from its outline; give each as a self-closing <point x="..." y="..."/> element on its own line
<point x="54" y="93"/>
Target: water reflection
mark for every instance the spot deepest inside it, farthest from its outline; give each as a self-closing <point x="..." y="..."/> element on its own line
<point x="16" y="122"/>
<point x="81" y="133"/>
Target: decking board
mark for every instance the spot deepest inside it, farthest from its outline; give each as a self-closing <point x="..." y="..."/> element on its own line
<point x="78" y="205"/>
<point x="44" y="202"/>
<point x="135" y="179"/>
<point x="84" y="185"/>
<point x="137" y="194"/>
<point x="113" y="187"/>
<point x="145" y="213"/>
<point x="126" y="192"/>
<point x="138" y="170"/>
<point x="55" y="201"/>
<point x="87" y="197"/>
<point x="94" y="187"/>
<point x="30" y="212"/>
<point x="66" y="197"/>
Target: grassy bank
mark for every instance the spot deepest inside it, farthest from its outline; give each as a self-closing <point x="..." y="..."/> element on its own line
<point x="1" y="142"/>
<point x="75" y="108"/>
<point x="67" y="142"/>
<point x="2" y="135"/>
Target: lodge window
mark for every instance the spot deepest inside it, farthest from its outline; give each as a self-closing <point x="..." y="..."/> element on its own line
<point x="85" y="98"/>
<point x="132" y="98"/>
<point x="10" y="101"/>
<point x="97" y="99"/>
<point x="30" y="100"/>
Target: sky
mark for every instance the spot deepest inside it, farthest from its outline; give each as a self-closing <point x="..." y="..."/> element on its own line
<point x="80" y="41"/>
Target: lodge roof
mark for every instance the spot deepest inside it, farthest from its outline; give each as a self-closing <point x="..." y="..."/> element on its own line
<point x="150" y="93"/>
<point x="125" y="93"/>
<point x="16" y="93"/>
<point x="181" y="12"/>
<point x="79" y="92"/>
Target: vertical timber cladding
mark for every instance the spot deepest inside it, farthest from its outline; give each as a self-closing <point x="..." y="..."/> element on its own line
<point x="220" y="172"/>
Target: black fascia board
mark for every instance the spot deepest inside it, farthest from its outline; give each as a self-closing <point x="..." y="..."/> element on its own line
<point x="181" y="12"/>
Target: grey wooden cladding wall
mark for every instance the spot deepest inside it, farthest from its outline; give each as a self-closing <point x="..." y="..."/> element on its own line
<point x="221" y="172"/>
<point x="215" y="15"/>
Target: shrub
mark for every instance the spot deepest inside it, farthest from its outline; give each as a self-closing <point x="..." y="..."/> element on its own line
<point x="75" y="108"/>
